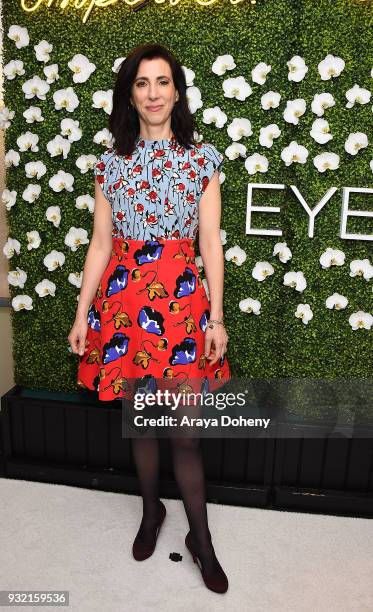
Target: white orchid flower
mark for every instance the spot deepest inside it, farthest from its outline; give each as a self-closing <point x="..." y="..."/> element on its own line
<point x="75" y="237"/>
<point x="22" y="302"/>
<point x="198" y="137"/>
<point x="268" y="133"/>
<point x="271" y="99"/>
<point x="104" y="138"/>
<point x="357" y="95"/>
<point x="85" y="202"/>
<point x="35" y="87"/>
<point x="28" y="142"/>
<point x="12" y="158"/>
<point x="223" y="236"/>
<point x="236" y="254"/>
<point x="81" y="68"/>
<point x="296" y="280"/>
<point x="53" y="215"/>
<point x="304" y="313"/>
<point x="360" y="320"/>
<point x="45" y="287"/>
<point x="214" y="115"/>
<point x="65" y="99"/>
<point x="193" y="95"/>
<point x="222" y="64"/>
<point x="238" y="128"/>
<point x="297" y="68"/>
<point x="17" y="277"/>
<point x="256" y="163"/>
<point x="330" y="67"/>
<point x="75" y="278"/>
<point x="294" y="109"/>
<point x="294" y="153"/>
<point x="42" y="51"/>
<point x="361" y="267"/>
<point x="237" y="87"/>
<point x="320" y="131"/>
<point x="235" y="150"/>
<point x="10" y="247"/>
<point x="85" y="163"/>
<point x="51" y="72"/>
<point x="58" y="145"/>
<point x="33" y="240"/>
<point x="61" y="180"/>
<point x="259" y="73"/>
<point x="321" y="102"/>
<point x="326" y="161"/>
<point x="250" y="305"/>
<point x="13" y="68"/>
<point x="31" y="193"/>
<point x="117" y="64"/>
<point x="35" y="169"/>
<point x="190" y="75"/>
<point x="262" y="270"/>
<point x="355" y="142"/>
<point x="70" y="128"/>
<point x="9" y="198"/>
<point x="19" y="35"/>
<point x="199" y="263"/>
<point x="5" y="117"/>
<point x="336" y="301"/>
<point x="282" y="250"/>
<point x="53" y="260"/>
<point x="332" y="257"/>
<point x="32" y="114"/>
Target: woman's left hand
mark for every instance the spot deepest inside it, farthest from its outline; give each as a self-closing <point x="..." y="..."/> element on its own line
<point x="216" y="340"/>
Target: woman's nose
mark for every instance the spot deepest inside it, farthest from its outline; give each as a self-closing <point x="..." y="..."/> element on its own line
<point x="153" y="92"/>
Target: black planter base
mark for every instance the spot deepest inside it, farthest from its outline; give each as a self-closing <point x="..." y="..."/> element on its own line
<point x="76" y="441"/>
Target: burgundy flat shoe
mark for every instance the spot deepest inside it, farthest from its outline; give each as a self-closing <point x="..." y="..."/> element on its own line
<point x="218" y="581"/>
<point x="142" y="551"/>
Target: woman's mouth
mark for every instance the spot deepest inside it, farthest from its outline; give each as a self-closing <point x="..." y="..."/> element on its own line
<point x="154" y="108"/>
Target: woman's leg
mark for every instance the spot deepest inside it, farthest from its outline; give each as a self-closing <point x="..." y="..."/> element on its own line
<point x="146" y="456"/>
<point x="189" y="474"/>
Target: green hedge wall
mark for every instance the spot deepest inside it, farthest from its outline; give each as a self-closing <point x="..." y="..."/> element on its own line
<point x="274" y="344"/>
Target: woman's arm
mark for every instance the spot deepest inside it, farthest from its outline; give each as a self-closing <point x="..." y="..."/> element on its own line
<point x="212" y="255"/>
<point x="99" y="251"/>
<point x="97" y="259"/>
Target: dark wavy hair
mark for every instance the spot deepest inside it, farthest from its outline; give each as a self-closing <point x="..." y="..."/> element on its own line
<point x="124" y="122"/>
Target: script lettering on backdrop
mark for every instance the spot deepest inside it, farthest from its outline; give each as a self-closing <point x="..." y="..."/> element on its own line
<point x="33" y="5"/>
<point x="345" y="211"/>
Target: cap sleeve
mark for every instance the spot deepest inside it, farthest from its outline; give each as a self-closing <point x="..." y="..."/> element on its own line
<point x="103" y="170"/>
<point x="213" y="160"/>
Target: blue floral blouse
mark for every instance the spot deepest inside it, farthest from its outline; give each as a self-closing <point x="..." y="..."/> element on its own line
<point x="155" y="191"/>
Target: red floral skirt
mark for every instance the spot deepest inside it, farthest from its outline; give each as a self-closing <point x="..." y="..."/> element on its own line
<point x="147" y="323"/>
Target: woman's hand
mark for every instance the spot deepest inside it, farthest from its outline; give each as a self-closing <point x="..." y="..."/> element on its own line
<point x="218" y="337"/>
<point x="77" y="336"/>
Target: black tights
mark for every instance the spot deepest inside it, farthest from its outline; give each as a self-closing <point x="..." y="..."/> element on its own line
<point x="189" y="474"/>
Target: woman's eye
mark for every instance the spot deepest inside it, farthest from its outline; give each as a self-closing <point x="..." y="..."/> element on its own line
<point x="142" y="83"/>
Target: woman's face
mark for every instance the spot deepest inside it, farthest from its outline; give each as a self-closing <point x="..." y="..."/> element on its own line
<point x="153" y="92"/>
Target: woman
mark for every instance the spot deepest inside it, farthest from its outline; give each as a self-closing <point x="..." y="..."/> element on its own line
<point x="153" y="192"/>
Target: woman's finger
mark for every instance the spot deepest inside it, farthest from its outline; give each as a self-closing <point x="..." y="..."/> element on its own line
<point x="207" y="346"/>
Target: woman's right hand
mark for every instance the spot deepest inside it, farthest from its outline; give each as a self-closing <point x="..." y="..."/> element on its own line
<point x="77" y="336"/>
